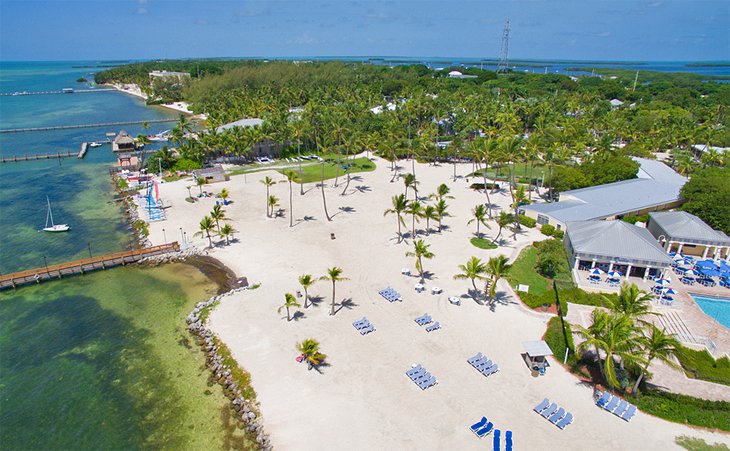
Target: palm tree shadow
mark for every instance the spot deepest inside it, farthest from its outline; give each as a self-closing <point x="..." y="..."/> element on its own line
<point x="344" y="210"/>
<point x="347" y="303"/>
<point x="319" y="367"/>
<point x="428" y="275"/>
<point x="315" y="300"/>
<point x="476" y="296"/>
<point x="298" y="315"/>
<point x="280" y="213"/>
<point x="361" y="189"/>
<point x="304" y="219"/>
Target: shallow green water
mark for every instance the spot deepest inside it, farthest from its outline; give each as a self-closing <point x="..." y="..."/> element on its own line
<point x="103" y="361"/>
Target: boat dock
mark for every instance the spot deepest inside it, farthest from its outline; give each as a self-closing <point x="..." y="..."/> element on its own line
<point x="82" y="152"/>
<point x="82" y="266"/>
<point x="43" y="156"/>
<point x="44" y="93"/>
<point x="98" y="125"/>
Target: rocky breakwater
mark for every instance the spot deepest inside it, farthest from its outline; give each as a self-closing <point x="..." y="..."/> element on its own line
<point x="181" y="255"/>
<point x="245" y="409"/>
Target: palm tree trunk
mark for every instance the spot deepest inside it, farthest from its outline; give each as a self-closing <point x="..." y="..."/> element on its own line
<point x="440" y="218"/>
<point x="498" y="234"/>
<point x="210" y="240"/>
<point x="413" y="225"/>
<point x="288" y="318"/>
<point x="486" y="192"/>
<point x="306" y="298"/>
<point x="347" y="185"/>
<point x="428" y="229"/>
<point x="267" y="202"/>
<point x="291" y="207"/>
<point x="332" y="312"/>
<point x="324" y="199"/>
<point x="530" y="191"/>
<point x="400" y="235"/>
<point x="641" y="376"/>
<point x="301" y="180"/>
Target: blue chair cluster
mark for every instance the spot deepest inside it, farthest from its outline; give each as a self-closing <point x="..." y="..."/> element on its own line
<point x="426" y="319"/>
<point x="390" y="294"/>
<point x="554" y="414"/>
<point x="364" y="326"/>
<point x="617" y="406"/>
<point x="484" y="427"/>
<point x="483" y="364"/>
<point x="421" y="377"/>
<point x="497" y="445"/>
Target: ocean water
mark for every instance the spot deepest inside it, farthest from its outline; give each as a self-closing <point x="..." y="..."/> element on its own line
<point x="100" y="361"/>
<point x="716" y="307"/>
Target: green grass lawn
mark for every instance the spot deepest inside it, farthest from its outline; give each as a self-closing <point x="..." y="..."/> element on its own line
<point x="313" y="173"/>
<point x="483" y="243"/>
<point x="684" y="409"/>
<point x="522" y="172"/>
<point x="697" y="444"/>
<point x="701" y="365"/>
<point x="523" y="272"/>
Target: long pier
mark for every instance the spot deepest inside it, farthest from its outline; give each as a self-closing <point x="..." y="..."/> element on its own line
<point x="45" y="93"/>
<point x="42" y="156"/>
<point x="97" y="125"/>
<point x="82" y="266"/>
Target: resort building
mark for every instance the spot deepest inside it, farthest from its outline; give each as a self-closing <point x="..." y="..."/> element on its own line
<point x="211" y="175"/>
<point x="655" y="188"/>
<point x="681" y="232"/>
<point x="243" y="123"/>
<point x="615" y="246"/>
<point x="127" y="161"/>
<point x="123" y="143"/>
<point x="168" y="74"/>
<point x="457" y="74"/>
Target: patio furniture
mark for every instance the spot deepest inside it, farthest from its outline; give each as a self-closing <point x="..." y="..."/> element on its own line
<point x="605" y="397"/>
<point x="436" y="290"/>
<point x="508" y="441"/>
<point x="611" y="405"/>
<point x="485" y="430"/>
<point x="557" y="416"/>
<point x="477" y="357"/>
<point x="478" y="425"/>
<point x="565" y="421"/>
<point x="434" y="326"/>
<point x="629" y="414"/>
<point x="622" y="406"/>
<point x="405" y="271"/>
<point x="454" y="300"/>
<point x="496" y="438"/>
<point x="419" y="287"/>
<point x="540" y="407"/>
<point x="549" y="411"/>
<point x="424" y="319"/>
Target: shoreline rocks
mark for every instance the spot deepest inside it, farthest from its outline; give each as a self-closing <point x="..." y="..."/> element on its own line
<point x="244" y="409"/>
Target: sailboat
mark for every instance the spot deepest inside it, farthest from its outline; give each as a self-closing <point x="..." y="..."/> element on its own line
<point x="53" y="227"/>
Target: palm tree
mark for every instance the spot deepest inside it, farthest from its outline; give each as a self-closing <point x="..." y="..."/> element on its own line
<point x="657" y="345"/>
<point x="415" y="209"/>
<point x="334" y="274"/>
<point x="272" y="202"/>
<point x="441" y="207"/>
<point x="503" y="220"/>
<point x="224" y="195"/>
<point x="420" y="251"/>
<point x="497" y="267"/>
<point x="206" y="225"/>
<point x="480" y="216"/>
<point x="430" y="213"/>
<point x="409" y="180"/>
<point x="306" y="281"/>
<point x="217" y="214"/>
<point x="310" y="350"/>
<point x="289" y="302"/>
<point x="473" y="269"/>
<point x="226" y="231"/>
<point x="400" y="205"/>
<point x="518" y="198"/>
<point x="268" y="182"/>
<point x="593" y="335"/>
<point x="290" y="176"/>
<point x="632" y="302"/>
<point x="200" y="181"/>
<point x="442" y="192"/>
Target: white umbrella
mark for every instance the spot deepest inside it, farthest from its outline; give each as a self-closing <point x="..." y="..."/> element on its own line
<point x="597" y="271"/>
<point x="691" y="272"/>
<point x="663" y="281"/>
<point x="669" y="291"/>
<point x="614" y="273"/>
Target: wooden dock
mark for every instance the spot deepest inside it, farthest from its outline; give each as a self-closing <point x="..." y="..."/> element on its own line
<point x="42" y="156"/>
<point x="82" y="152"/>
<point x="82" y="266"/>
<point x="97" y="125"/>
<point x="42" y="93"/>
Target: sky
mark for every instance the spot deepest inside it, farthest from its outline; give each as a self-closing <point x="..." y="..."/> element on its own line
<point x="612" y="30"/>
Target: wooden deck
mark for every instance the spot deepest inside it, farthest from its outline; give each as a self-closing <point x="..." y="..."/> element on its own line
<point x="51" y="272"/>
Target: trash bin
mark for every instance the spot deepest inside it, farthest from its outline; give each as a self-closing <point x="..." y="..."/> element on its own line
<point x="545" y="307"/>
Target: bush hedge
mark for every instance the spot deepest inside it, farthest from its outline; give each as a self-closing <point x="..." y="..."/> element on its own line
<point x="547" y="229"/>
<point x="555" y="340"/>
<point x="701" y="365"/>
<point x="684" y="409"/>
<point x="528" y="221"/>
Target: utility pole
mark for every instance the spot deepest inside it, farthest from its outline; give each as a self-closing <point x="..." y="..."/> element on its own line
<point x="503" y="66"/>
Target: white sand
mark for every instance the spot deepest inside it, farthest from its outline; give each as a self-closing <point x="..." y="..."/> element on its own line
<point x="363" y="400"/>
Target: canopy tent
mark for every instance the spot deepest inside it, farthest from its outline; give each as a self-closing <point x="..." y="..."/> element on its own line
<point x="535" y="353"/>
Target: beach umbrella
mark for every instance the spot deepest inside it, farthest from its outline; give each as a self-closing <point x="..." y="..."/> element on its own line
<point x="677" y="257"/>
<point x="597" y="271"/>
<point x="709" y="272"/>
<point x="691" y="272"/>
<point x="669" y="291"/>
<point x="663" y="282"/>
<point x="672" y="254"/>
<point x="724" y="266"/>
<point x="706" y="264"/>
<point x="614" y="273"/>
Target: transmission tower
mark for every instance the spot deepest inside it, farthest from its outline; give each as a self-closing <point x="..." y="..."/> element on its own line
<point x="504" y="51"/>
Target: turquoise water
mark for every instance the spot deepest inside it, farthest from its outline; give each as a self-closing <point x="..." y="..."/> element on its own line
<point x="716" y="307"/>
<point x="101" y="361"/>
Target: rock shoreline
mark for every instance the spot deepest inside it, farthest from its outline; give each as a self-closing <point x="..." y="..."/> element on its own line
<point x="245" y="409"/>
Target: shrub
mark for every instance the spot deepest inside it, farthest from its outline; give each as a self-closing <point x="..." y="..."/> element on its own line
<point x="555" y="340"/>
<point x="547" y="229"/>
<point x="527" y="221"/>
<point x="635" y="219"/>
<point x="184" y="164"/>
<point x="701" y="365"/>
<point x="483" y="243"/>
<point x="558" y="234"/>
<point x="684" y="409"/>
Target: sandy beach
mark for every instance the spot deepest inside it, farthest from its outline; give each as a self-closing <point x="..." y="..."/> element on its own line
<point x="362" y="399"/>
<point x="134" y="90"/>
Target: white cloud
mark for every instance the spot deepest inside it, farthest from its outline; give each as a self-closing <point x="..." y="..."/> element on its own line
<point x="604" y="34"/>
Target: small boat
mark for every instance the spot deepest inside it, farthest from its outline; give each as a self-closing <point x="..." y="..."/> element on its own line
<point x="53" y="227"/>
<point x="160" y="137"/>
<point x="95" y="144"/>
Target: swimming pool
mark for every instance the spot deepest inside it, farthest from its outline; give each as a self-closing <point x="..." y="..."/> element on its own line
<point x="716" y="307"/>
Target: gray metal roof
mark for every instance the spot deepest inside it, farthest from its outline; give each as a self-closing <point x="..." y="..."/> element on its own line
<point x="616" y="240"/>
<point x="657" y="184"/>
<point x="249" y="122"/>
<point x="688" y="228"/>
<point x="537" y="348"/>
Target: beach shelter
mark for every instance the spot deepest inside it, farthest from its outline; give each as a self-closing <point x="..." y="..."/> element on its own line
<point x="615" y="273"/>
<point x="535" y="355"/>
<point x="668" y="291"/>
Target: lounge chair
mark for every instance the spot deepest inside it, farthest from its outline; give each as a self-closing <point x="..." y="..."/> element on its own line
<point x="424" y="319"/>
<point x="495" y="443"/>
<point x="622" y="406"/>
<point x="434" y="326"/>
<point x="557" y="416"/>
<point x="612" y="404"/>
<point x="477" y="357"/>
<point x="367" y="330"/>
<point x="414" y="370"/>
<point x="431" y="381"/>
<point x="508" y="441"/>
<point x="565" y="421"/>
<point x="360" y="323"/>
<point x="483" y="363"/>
<point x="540" y="407"/>
<point x="493" y="369"/>
<point x="605" y="397"/>
<point x="485" y="430"/>
<point x="476" y="426"/>
<point x="630" y="412"/>
<point x="549" y="411"/>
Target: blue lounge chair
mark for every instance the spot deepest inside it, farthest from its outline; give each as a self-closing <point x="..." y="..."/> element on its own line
<point x="495" y="443"/>
<point x="366" y="330"/>
<point x="565" y="421"/>
<point x="622" y="406"/>
<point x="483" y="364"/>
<point x="359" y="323"/>
<point x="557" y="416"/>
<point x="540" y="407"/>
<point x="430" y="382"/>
<point x="508" y="441"/>
<point x="612" y="404"/>
<point x="485" y="430"/>
<point x="630" y="412"/>
<point x="477" y="357"/>
<point x="434" y="326"/>
<point x="476" y="426"/>
<point x="605" y="397"/>
<point x="415" y="370"/>
<point x="493" y="369"/>
<point x="549" y="411"/>
<point x="424" y="319"/>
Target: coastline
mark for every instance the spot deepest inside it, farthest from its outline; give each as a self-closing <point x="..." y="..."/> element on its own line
<point x="134" y="90"/>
